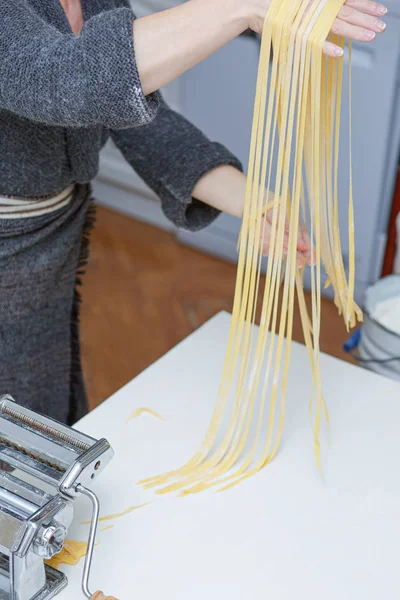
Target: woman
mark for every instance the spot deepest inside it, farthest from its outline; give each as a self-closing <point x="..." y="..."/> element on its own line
<point x="73" y="73"/>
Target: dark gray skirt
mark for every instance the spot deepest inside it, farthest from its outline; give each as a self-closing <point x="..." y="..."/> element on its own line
<point x="42" y="259"/>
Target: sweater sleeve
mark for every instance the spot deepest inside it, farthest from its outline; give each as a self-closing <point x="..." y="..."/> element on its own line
<point x="171" y="155"/>
<point x="67" y="80"/>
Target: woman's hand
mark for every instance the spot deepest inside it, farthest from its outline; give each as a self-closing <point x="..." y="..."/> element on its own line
<point x="305" y="254"/>
<point x="358" y="20"/>
<point x="225" y="189"/>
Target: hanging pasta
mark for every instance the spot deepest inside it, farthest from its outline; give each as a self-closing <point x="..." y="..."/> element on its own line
<point x="294" y="151"/>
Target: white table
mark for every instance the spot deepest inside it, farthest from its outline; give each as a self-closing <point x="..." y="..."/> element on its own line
<point x="283" y="535"/>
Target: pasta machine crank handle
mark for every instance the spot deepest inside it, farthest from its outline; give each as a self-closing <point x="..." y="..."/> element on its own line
<point x="91" y="541"/>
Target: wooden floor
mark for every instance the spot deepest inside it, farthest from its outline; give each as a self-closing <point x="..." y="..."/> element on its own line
<point x="143" y="293"/>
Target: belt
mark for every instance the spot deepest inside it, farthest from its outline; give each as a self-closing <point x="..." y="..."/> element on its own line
<point x="25" y="208"/>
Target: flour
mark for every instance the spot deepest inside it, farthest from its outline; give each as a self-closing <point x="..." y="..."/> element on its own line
<point x="387" y="313"/>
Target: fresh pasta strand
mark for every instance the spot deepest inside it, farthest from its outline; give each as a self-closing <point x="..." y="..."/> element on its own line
<point x="296" y="125"/>
<point x="143" y="410"/>
<point x="114" y="516"/>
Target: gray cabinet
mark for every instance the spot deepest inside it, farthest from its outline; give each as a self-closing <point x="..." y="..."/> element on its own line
<point x="218" y="96"/>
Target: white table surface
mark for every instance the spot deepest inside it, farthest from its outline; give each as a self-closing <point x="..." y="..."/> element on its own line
<point x="282" y="535"/>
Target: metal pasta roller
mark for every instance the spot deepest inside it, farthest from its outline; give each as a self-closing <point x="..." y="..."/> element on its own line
<point x="51" y="465"/>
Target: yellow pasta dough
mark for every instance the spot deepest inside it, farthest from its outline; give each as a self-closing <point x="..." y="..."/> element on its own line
<point x="114" y="516"/>
<point x="296" y="128"/>
<point x="140" y="411"/>
<point x="71" y="554"/>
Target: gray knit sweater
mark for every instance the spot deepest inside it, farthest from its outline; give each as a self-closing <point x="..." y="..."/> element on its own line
<point x="62" y="96"/>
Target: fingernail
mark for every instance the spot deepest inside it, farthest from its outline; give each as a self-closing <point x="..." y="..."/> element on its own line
<point x="381" y="25"/>
<point x="370" y="34"/>
<point x="338" y="51"/>
<point x="382" y="10"/>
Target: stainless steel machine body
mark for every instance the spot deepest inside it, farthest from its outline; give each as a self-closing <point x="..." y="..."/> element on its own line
<point x="51" y="465"/>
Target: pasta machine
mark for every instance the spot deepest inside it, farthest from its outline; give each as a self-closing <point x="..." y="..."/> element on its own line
<point x="46" y="466"/>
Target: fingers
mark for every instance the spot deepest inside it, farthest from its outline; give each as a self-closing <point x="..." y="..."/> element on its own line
<point x="304" y="248"/>
<point x="361" y="19"/>
<point x="303" y="241"/>
<point x="310" y="257"/>
<point x="357" y="20"/>
<point x="305" y="254"/>
<point x="301" y="260"/>
<point x="332" y="50"/>
<point x="352" y="32"/>
<point x="368" y="7"/>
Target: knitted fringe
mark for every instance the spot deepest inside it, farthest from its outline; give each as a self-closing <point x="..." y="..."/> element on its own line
<point x="78" y="400"/>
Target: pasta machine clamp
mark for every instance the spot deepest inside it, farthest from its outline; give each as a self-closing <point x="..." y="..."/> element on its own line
<point x="50" y="466"/>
